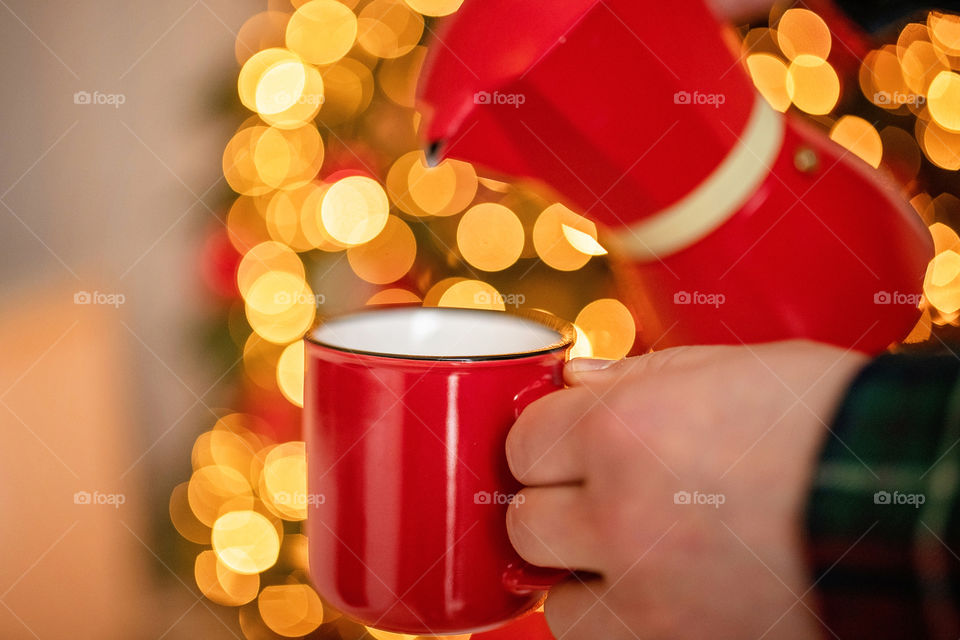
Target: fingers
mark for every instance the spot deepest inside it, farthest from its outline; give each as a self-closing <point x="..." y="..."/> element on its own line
<point x="544" y="445"/>
<point x="591" y="371"/>
<point x="551" y="527"/>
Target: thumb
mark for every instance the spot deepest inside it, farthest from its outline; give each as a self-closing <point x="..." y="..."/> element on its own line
<point x="591" y="370"/>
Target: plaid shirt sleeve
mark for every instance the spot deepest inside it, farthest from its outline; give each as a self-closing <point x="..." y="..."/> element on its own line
<point x="883" y="519"/>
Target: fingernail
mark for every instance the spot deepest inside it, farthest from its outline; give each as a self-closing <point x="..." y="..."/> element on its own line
<point x="586" y="365"/>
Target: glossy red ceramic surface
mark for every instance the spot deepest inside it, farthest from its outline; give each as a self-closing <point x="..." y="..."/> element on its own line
<point x="408" y="455"/>
<point x="834" y="257"/>
<point x="593" y="99"/>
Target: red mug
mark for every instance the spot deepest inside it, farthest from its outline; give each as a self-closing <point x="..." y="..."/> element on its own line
<point x="406" y="414"/>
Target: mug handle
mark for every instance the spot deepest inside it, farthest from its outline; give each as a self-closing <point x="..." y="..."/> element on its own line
<point x="522" y="578"/>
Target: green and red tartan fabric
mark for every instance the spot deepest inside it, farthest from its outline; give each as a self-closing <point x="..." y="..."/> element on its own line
<point x="883" y="526"/>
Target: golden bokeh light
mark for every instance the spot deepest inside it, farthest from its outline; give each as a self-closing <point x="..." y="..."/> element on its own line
<point x="398" y="183"/>
<point x="283" y="481"/>
<point x="290" y="373"/>
<point x="922" y="330"/>
<point x="943" y="100"/>
<point x="882" y="81"/>
<point x="435" y="7"/>
<point x="301" y="108"/>
<point x="246" y="225"/>
<point x="944" y="238"/>
<point x="389" y="28"/>
<point x="393" y="296"/>
<point x="442" y="190"/>
<point x="945" y="268"/>
<point x="946" y="206"/>
<point x="920" y="64"/>
<point x="941" y="318"/>
<point x="582" y="241"/>
<point x="490" y="237"/>
<point x="279" y="305"/>
<point x="246" y="541"/>
<point x="397" y="77"/>
<point x="912" y="32"/>
<point x="860" y="138"/>
<point x="281" y="88"/>
<point x="260" y="359"/>
<point x="213" y="488"/>
<point x="322" y="31"/>
<point x="355" y="210"/>
<point x="288" y="158"/>
<point x="945" y="31"/>
<point x="494" y="185"/>
<point x="287" y="325"/>
<point x="287" y="220"/>
<point x="242" y="424"/>
<point x="221" y="585"/>
<point x="230" y="447"/>
<point x="812" y="84"/>
<point x="264" y="30"/>
<point x="386" y="258"/>
<point x="239" y="165"/>
<point x="941" y="284"/>
<point x="760" y="41"/>
<point x="921" y="204"/>
<point x="311" y="220"/>
<point x="581" y="346"/>
<point x="940" y="146"/>
<point x="290" y="610"/>
<point x="551" y="242"/>
<point x="609" y="326"/>
<point x="255" y="67"/>
<point x="295" y="552"/>
<point x="436" y="291"/>
<point x="802" y="32"/>
<point x="184" y="520"/>
<point x="348" y="89"/>
<point x="266" y="257"/>
<point x="472" y="294"/>
<point x="769" y="74"/>
<point x="275" y="292"/>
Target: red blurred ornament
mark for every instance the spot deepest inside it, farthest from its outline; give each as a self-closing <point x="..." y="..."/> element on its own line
<point x="739" y="224"/>
<point x="344" y="160"/>
<point x="279" y="420"/>
<point x="218" y="264"/>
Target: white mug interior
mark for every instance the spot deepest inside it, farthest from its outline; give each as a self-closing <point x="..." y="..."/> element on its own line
<point x="434" y="332"/>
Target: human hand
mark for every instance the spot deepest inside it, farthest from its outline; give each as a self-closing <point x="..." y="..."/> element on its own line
<point x="611" y="461"/>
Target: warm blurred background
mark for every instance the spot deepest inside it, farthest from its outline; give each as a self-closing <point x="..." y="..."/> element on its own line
<point x="187" y="185"/>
